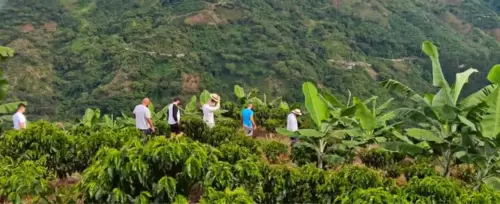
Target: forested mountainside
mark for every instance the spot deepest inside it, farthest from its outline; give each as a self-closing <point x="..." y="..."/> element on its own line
<point x="75" y="54"/>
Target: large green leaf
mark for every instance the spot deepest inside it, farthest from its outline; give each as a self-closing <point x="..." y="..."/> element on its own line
<point x="161" y="114"/>
<point x="191" y="106"/>
<point x="310" y="133"/>
<point x="493" y="182"/>
<point x="366" y="118"/>
<point x="490" y="122"/>
<point x="151" y="108"/>
<point x="442" y="98"/>
<point x="204" y="97"/>
<point x="315" y="106"/>
<point x="383" y="106"/>
<point x="438" y="79"/>
<point x="402" y="89"/>
<point x="332" y="100"/>
<point x="494" y="74"/>
<point x="284" y="106"/>
<point x="461" y="79"/>
<point x="11" y="107"/>
<point x="239" y="92"/>
<point x="423" y="135"/>
<point x="477" y="98"/>
<point x="108" y="122"/>
<point x="6" y="52"/>
<point x="402" y="147"/>
<point x="88" y="117"/>
<point x="283" y="131"/>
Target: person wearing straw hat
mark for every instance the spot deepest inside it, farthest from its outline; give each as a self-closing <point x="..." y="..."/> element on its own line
<point x="291" y="122"/>
<point x="209" y="110"/>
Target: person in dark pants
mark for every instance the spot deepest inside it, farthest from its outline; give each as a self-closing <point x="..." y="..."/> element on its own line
<point x="143" y="120"/>
<point x="174" y="117"/>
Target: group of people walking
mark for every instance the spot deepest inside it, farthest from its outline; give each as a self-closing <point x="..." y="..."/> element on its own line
<point x="145" y="124"/>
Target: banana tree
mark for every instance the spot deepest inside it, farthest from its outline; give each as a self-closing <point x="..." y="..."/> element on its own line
<point x="485" y="156"/>
<point x="484" y="151"/>
<point x="440" y="116"/>
<point x="323" y="137"/>
<point x="370" y="124"/>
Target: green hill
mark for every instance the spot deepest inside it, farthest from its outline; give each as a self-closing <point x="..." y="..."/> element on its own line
<point x="75" y="54"/>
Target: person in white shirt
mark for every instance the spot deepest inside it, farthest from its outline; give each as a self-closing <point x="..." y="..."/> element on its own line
<point x="142" y="115"/>
<point x="291" y="122"/>
<point x="18" y="118"/>
<point x="174" y="117"/>
<point x="209" y="110"/>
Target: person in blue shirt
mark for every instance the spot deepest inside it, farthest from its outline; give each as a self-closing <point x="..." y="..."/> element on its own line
<point x="247" y="120"/>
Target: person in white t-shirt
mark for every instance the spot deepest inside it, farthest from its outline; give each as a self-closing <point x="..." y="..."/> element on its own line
<point x="209" y="110"/>
<point x="291" y="122"/>
<point x="142" y="115"/>
<point x="18" y="118"/>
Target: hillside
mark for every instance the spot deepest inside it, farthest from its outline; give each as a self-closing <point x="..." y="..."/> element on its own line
<point x="75" y="54"/>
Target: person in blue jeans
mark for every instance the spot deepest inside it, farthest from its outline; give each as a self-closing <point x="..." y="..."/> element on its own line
<point x="247" y="120"/>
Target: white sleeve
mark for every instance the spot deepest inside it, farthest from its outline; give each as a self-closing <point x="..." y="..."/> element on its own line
<point x="212" y="109"/>
<point x="22" y="119"/>
<point x="148" y="113"/>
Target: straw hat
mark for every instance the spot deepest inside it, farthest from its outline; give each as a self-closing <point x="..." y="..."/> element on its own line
<point x="215" y="97"/>
<point x="297" y="112"/>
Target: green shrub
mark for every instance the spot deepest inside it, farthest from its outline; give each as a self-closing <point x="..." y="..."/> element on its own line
<point x="271" y="124"/>
<point x="162" y="128"/>
<point x="87" y="145"/>
<point x="380" y="158"/>
<point x="484" y="196"/>
<point x="347" y="179"/>
<point x="231" y="152"/>
<point x="237" y="196"/>
<point x="303" y="155"/>
<point x="278" y="181"/>
<point x="371" y="195"/>
<point x="273" y="149"/>
<point x="19" y="179"/>
<point x="436" y="189"/>
<point x="195" y="128"/>
<point x="248" y="142"/>
<point x="42" y="140"/>
<point x="159" y="169"/>
<point x="228" y="122"/>
<point x="420" y="169"/>
<point x="220" y="134"/>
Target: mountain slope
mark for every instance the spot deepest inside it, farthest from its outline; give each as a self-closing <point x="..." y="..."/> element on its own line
<point x="74" y="54"/>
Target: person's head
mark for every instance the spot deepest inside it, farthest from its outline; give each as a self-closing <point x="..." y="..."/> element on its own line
<point x="297" y="112"/>
<point x="176" y="101"/>
<point x="146" y="101"/>
<point x="21" y="108"/>
<point x="250" y="106"/>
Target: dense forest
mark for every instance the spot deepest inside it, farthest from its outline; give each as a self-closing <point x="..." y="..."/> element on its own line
<point x="71" y="55"/>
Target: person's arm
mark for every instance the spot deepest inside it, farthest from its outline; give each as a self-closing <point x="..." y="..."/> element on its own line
<point x="213" y="109"/>
<point x="150" y="122"/>
<point x="253" y="122"/>
<point x="22" y="122"/>
<point x="175" y="110"/>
